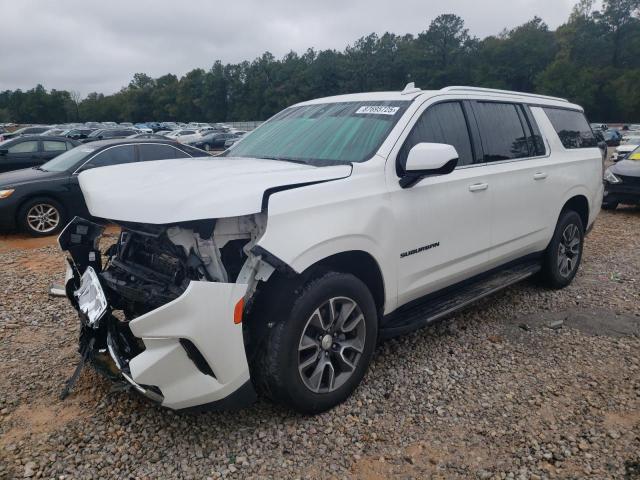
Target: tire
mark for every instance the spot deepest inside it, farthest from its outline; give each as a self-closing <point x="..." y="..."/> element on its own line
<point x="304" y="343"/>
<point x="562" y="257"/>
<point x="207" y="147"/>
<point x="42" y="216"/>
<point x="609" y="205"/>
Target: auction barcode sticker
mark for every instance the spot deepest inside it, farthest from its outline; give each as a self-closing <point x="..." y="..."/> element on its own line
<point x="378" y="110"/>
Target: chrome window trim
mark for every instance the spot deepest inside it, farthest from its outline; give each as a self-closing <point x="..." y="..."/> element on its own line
<point x="76" y="172"/>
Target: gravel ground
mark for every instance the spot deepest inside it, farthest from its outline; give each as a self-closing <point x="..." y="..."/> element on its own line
<point x="527" y="384"/>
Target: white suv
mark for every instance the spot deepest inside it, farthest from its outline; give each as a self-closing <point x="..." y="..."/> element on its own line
<point x="277" y="267"/>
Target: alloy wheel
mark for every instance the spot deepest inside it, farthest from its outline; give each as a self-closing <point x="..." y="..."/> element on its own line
<point x="331" y="345"/>
<point x="569" y="250"/>
<point x="43" y="218"/>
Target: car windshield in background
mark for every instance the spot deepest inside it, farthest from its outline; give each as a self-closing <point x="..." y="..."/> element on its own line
<point x="323" y="134"/>
<point x="68" y="160"/>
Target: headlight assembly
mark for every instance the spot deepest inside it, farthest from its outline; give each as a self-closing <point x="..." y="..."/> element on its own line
<point x="610" y="177"/>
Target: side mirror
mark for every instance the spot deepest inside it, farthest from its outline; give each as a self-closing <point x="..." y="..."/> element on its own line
<point x="428" y="159"/>
<point x="4" y="151"/>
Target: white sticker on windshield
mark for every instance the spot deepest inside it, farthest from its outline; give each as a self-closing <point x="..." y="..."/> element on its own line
<point x="378" y="110"/>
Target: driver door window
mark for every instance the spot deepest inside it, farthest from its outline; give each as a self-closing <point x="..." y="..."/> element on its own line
<point x="441" y="123"/>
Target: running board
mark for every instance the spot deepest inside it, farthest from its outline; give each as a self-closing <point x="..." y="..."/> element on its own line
<point x="436" y="306"/>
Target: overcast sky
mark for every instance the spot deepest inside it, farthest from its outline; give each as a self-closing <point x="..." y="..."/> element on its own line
<point x="98" y="46"/>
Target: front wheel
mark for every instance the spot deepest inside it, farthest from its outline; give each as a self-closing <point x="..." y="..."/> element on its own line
<point x="563" y="255"/>
<point x="40" y="217"/>
<point x="316" y="356"/>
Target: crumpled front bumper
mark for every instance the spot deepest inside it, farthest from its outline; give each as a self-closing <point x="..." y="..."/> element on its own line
<point x="203" y="315"/>
<point x="194" y="353"/>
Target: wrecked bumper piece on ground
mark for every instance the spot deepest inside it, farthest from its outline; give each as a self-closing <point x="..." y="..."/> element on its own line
<point x="162" y="307"/>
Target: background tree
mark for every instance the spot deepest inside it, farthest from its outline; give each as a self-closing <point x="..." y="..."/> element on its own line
<point x="593" y="59"/>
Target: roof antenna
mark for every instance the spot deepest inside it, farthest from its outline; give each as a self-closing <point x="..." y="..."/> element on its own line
<point x="410" y="88"/>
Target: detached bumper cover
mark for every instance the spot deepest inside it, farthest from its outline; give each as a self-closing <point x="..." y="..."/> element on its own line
<point x="204" y="316"/>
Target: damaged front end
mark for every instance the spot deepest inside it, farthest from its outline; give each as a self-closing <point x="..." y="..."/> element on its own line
<point x="162" y="307"/>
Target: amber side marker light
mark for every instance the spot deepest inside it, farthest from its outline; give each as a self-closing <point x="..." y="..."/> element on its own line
<point x="237" y="311"/>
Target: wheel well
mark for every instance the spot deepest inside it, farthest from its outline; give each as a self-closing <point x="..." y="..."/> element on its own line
<point x="580" y="205"/>
<point x="363" y="266"/>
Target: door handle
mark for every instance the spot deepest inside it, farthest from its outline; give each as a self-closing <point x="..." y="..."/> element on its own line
<point x="539" y="175"/>
<point x="478" y="187"/>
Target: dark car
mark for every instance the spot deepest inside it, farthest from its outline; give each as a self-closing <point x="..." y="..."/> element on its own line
<point x="622" y="182"/>
<point x="79" y="133"/>
<point x="29" y="151"/>
<point x="109" y="133"/>
<point x="25" y="131"/>
<point x="212" y="141"/>
<point x="42" y="199"/>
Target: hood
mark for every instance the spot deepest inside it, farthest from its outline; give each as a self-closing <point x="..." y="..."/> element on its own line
<point x="170" y="191"/>
<point x="28" y="175"/>
<point x="626" y="148"/>
<point x="628" y="168"/>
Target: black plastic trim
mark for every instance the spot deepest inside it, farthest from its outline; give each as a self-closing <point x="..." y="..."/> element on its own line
<point x="271" y="259"/>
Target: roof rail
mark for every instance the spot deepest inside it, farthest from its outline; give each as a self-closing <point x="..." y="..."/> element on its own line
<point x="508" y="92"/>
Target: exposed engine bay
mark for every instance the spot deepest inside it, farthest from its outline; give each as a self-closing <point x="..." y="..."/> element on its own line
<point x="148" y="270"/>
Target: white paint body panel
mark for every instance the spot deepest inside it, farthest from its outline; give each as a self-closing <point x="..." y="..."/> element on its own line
<point x="168" y="191"/>
<point x="203" y="314"/>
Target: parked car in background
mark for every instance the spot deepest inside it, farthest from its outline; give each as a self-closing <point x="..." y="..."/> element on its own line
<point x="181" y="132"/>
<point x="278" y="265"/>
<point x="41" y="200"/>
<point x="627" y="145"/>
<point x="143" y="128"/>
<point x="54" y="132"/>
<point x="125" y="125"/>
<point x="212" y="141"/>
<point x="622" y="182"/>
<point x="79" y="133"/>
<point x="612" y="137"/>
<point x="231" y="141"/>
<point x="599" y="126"/>
<point x="109" y="133"/>
<point x="24" y="131"/>
<point x="148" y="135"/>
<point x="31" y="150"/>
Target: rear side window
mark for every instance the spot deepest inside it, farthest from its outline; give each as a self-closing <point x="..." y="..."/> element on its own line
<point x="54" y="146"/>
<point x="572" y="128"/>
<point x="440" y="123"/>
<point x="502" y="132"/>
<point x="158" y="152"/>
<point x="24" y="147"/>
<point x="113" y="156"/>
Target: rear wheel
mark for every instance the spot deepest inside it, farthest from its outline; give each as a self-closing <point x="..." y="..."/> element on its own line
<point x="41" y="216"/>
<point x="563" y="255"/>
<point x="316" y="356"/>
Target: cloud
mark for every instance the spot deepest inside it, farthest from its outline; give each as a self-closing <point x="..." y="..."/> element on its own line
<point x="98" y="46"/>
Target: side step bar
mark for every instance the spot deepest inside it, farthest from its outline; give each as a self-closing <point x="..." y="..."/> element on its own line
<point x="436" y="306"/>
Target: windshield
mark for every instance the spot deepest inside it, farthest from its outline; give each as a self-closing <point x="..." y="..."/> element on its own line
<point x="69" y="160"/>
<point x="323" y="134"/>
<point x="95" y="133"/>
